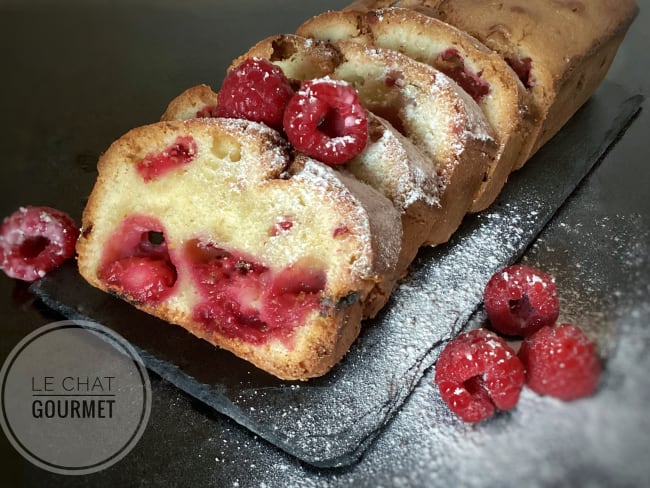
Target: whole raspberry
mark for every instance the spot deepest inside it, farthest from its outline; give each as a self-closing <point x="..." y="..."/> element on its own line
<point x="255" y="90"/>
<point x="561" y="362"/>
<point x="520" y="300"/>
<point x="36" y="240"/>
<point x="478" y="373"/>
<point x="325" y="120"/>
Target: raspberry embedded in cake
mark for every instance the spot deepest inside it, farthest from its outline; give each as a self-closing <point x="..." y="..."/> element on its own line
<point x="141" y="279"/>
<point x="340" y="231"/>
<point x="198" y="243"/>
<point x="522" y="68"/>
<point x="136" y="263"/>
<point x="156" y="164"/>
<point x="207" y="111"/>
<point x="281" y="226"/>
<point x="451" y="63"/>
<point x="245" y="299"/>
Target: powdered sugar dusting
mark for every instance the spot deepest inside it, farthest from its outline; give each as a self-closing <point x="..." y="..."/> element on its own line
<point x="372" y="217"/>
<point x="391" y="164"/>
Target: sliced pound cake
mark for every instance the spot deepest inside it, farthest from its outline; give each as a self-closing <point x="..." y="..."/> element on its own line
<point x="208" y="224"/>
<point x="483" y="74"/>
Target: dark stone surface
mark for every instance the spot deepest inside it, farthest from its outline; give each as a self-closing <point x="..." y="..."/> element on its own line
<point x="78" y="74"/>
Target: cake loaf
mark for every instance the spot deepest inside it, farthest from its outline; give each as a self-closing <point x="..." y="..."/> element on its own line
<point x="211" y="225"/>
<point x="220" y="226"/>
<point x="560" y="49"/>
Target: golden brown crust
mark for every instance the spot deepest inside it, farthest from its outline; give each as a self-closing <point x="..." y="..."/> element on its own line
<point x="414" y="97"/>
<point x="288" y="52"/>
<point x="246" y="165"/>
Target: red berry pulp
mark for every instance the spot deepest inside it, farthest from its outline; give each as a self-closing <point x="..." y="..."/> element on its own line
<point x="340" y="231"/>
<point x="244" y="299"/>
<point x="478" y="373"/>
<point x="36" y="240"/>
<point x="394" y="78"/>
<point x="255" y="90"/>
<point x="207" y="112"/>
<point x="325" y="120"/>
<point x="156" y="164"/>
<point x="520" y="300"/>
<point x="451" y="63"/>
<point x="136" y="262"/>
<point x="143" y="279"/>
<point x="522" y="68"/>
<point x="280" y="227"/>
<point x="561" y="362"/>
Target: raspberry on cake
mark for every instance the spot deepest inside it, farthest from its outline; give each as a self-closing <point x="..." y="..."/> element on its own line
<point x="325" y="120"/>
<point x="483" y="74"/>
<point x="255" y="90"/>
<point x="193" y="246"/>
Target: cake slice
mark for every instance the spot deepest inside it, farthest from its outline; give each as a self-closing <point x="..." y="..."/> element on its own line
<point x="420" y="102"/>
<point x="483" y="74"/>
<point x="560" y="49"/>
<point x="389" y="163"/>
<point x="209" y="224"/>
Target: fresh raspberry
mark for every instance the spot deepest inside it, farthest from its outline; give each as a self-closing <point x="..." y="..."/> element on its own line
<point x="326" y="121"/>
<point x="520" y="300"/>
<point x="255" y="90"/>
<point x="141" y="279"/>
<point x="561" y="362"/>
<point x="36" y="240"/>
<point x="478" y="373"/>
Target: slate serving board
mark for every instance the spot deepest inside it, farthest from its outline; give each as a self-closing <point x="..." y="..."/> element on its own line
<point x="330" y="421"/>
